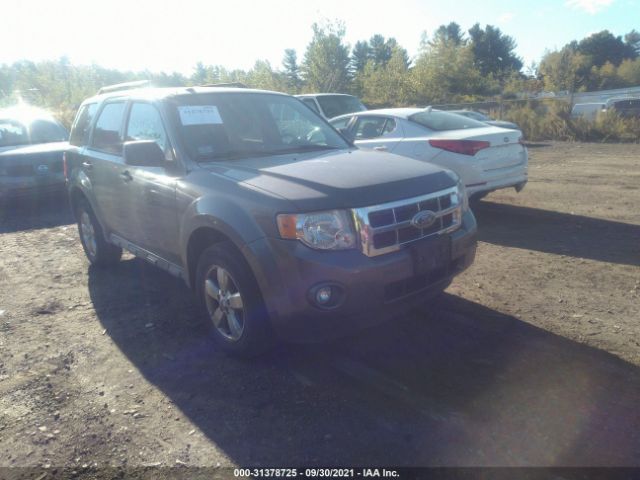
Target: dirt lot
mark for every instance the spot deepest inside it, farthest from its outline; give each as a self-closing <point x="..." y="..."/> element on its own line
<point x="530" y="358"/>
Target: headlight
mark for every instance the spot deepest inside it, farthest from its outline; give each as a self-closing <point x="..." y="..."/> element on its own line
<point x="462" y="193"/>
<point x="330" y="230"/>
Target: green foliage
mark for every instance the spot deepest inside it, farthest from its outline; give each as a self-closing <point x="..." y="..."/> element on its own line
<point x="262" y="76"/>
<point x="388" y="85"/>
<point x="326" y="61"/>
<point x="445" y="72"/>
<point x="451" y="33"/>
<point x="292" y="70"/>
<point x="60" y="87"/>
<point x="566" y="69"/>
<point x="552" y="121"/>
<point x="451" y="67"/>
<point x="493" y="51"/>
<point x="603" y="47"/>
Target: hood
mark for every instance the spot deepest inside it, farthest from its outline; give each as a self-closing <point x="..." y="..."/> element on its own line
<point x="337" y="179"/>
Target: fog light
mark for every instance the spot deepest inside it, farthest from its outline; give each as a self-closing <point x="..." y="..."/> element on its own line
<point x="323" y="295"/>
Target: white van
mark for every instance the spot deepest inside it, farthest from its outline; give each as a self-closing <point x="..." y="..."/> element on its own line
<point x="588" y="111"/>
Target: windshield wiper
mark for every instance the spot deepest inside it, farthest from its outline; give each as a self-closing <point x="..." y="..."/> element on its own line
<point x="231" y="155"/>
<point x="304" y="148"/>
<point x="240" y="154"/>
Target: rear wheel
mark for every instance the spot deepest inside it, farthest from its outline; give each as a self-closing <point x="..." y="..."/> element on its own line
<point x="97" y="249"/>
<point x="235" y="313"/>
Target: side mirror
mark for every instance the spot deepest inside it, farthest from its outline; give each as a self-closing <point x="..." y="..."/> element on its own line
<point x="143" y="153"/>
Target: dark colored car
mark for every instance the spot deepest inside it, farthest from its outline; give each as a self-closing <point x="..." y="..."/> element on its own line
<point x="282" y="228"/>
<point x="625" y="107"/>
<point x="331" y="105"/>
<point x="32" y="144"/>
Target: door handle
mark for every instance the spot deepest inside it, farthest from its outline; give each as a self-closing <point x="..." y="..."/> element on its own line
<point x="380" y="149"/>
<point x="88" y="165"/>
<point x="126" y="176"/>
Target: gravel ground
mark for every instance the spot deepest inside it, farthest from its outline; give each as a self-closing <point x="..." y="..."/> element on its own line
<point x="530" y="358"/>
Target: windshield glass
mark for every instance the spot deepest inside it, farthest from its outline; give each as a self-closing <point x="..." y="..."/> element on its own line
<point x="335" y="105"/>
<point x="234" y="125"/>
<point x="14" y="132"/>
<point x="441" y="121"/>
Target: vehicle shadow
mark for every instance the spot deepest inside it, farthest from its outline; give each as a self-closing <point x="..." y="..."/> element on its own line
<point x="458" y="384"/>
<point x="558" y="233"/>
<point x="34" y="213"/>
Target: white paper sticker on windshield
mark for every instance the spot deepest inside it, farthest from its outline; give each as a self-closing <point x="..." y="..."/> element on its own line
<point x="199" y="115"/>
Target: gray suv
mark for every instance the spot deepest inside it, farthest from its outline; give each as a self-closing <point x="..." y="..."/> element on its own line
<point x="283" y="228"/>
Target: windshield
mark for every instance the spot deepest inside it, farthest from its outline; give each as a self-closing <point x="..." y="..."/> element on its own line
<point x="14" y="132"/>
<point x="441" y="121"/>
<point x="335" y="105"/>
<point x="223" y="126"/>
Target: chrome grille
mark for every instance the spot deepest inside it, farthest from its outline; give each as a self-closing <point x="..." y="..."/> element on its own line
<point x="386" y="228"/>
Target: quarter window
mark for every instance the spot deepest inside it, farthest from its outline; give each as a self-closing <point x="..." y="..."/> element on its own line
<point x="82" y="126"/>
<point x="107" y="132"/>
<point x="145" y="124"/>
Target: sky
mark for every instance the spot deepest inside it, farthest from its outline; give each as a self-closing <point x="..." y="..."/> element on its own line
<point x="169" y="36"/>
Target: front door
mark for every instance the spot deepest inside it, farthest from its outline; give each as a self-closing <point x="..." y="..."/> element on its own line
<point x="154" y="218"/>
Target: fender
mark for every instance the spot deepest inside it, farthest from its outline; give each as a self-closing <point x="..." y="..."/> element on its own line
<point x="222" y="215"/>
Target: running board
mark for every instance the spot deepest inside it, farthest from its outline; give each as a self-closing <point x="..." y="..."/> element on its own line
<point x="147" y="256"/>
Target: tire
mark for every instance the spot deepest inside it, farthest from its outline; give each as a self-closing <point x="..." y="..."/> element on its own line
<point x="96" y="248"/>
<point x="474" y="200"/>
<point x="232" y="304"/>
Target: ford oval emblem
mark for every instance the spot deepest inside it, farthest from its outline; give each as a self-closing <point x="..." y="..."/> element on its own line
<point x="423" y="219"/>
<point x="506" y="139"/>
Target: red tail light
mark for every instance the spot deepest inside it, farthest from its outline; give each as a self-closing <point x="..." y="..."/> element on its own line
<point x="465" y="147"/>
<point x="64" y="165"/>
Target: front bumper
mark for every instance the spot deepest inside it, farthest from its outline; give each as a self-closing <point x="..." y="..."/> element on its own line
<point x="373" y="288"/>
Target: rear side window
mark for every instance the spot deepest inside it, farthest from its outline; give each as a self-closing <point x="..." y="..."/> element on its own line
<point x="372" y="127"/>
<point x="106" y="136"/>
<point x="82" y="126"/>
<point x="145" y="124"/>
<point x="441" y="121"/>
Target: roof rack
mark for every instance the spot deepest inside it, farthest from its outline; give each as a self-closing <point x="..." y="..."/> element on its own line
<point x="226" y="84"/>
<point x="124" y="86"/>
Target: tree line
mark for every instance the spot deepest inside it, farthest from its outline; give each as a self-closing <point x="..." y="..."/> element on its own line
<point x="451" y="66"/>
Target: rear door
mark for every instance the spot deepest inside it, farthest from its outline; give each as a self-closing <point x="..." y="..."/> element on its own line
<point x="376" y="132"/>
<point x="154" y="220"/>
<point x="103" y="164"/>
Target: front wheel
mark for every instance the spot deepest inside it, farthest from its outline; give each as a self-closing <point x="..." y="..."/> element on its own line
<point x="96" y="248"/>
<point x="235" y="313"/>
